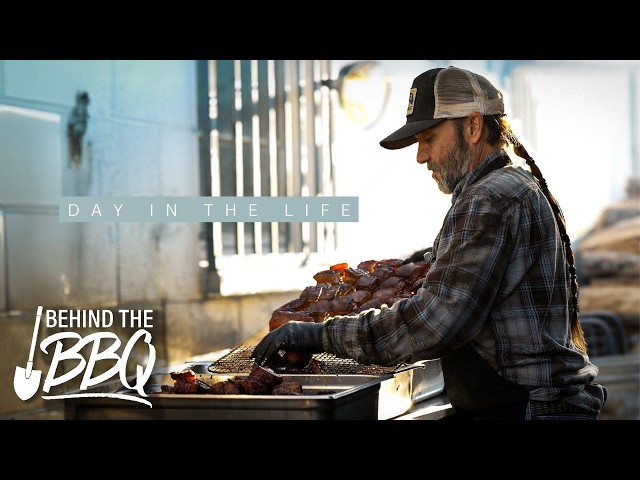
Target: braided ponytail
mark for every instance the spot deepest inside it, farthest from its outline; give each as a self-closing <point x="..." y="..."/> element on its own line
<point x="508" y="137"/>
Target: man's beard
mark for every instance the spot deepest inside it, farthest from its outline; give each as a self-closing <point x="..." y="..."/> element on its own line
<point x="454" y="166"/>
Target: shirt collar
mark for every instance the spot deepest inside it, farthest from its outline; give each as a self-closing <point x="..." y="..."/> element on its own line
<point x="472" y="177"/>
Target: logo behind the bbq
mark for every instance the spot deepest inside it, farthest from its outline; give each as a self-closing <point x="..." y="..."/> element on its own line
<point x="101" y="346"/>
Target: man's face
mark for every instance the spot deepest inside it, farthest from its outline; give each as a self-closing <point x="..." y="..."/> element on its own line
<point x="446" y="154"/>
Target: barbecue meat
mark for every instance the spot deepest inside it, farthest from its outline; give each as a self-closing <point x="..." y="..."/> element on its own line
<point x="351" y="275"/>
<point x="265" y="375"/>
<point x="226" y="387"/>
<point x="288" y="388"/>
<point x="281" y="316"/>
<point x="260" y="381"/>
<point x="186" y="375"/>
<point x="332" y="277"/>
<point x="367" y="265"/>
<point x="343" y="290"/>
<point x="185" y="381"/>
<point x="368" y="282"/>
<point x="254" y="386"/>
<point x="294" y="360"/>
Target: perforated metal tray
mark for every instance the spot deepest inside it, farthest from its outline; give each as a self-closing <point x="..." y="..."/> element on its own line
<point x="239" y="360"/>
<point x="422" y="379"/>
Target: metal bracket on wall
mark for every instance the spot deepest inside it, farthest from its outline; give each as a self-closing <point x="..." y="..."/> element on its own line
<point x="77" y="126"/>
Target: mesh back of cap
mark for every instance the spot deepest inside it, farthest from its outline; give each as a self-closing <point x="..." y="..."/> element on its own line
<point x="459" y="93"/>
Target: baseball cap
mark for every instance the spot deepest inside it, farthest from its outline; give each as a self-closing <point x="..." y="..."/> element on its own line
<point x="443" y="93"/>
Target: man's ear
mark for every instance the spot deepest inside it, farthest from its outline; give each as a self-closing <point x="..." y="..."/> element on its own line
<point x="475" y="127"/>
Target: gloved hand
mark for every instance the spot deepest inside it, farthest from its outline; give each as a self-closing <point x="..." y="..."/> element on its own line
<point x="295" y="336"/>
<point x="417" y="256"/>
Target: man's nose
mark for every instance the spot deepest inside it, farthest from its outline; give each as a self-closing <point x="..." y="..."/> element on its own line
<point x="423" y="155"/>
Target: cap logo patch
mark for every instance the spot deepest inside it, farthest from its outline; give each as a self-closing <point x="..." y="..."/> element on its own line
<point x="412" y="100"/>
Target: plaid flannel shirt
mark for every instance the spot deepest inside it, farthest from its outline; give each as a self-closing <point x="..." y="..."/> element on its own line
<point x="498" y="279"/>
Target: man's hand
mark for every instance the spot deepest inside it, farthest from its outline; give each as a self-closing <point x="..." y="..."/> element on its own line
<point x="294" y="336"/>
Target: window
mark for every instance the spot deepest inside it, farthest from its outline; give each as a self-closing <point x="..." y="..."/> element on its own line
<point x="269" y="124"/>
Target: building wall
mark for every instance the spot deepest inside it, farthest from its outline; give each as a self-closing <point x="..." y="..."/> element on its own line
<point x="141" y="140"/>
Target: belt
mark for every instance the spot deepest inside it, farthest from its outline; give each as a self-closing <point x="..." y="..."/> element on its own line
<point x="556" y="407"/>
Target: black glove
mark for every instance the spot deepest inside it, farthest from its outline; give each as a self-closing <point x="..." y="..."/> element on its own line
<point x="294" y="336"/>
<point x="417" y="256"/>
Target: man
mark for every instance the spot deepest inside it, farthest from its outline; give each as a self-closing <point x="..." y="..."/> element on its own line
<point x="499" y="302"/>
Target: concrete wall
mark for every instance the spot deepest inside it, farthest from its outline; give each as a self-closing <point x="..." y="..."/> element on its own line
<point x="141" y="140"/>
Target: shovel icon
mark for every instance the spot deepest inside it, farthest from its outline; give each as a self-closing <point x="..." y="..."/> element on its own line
<point x="26" y="382"/>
